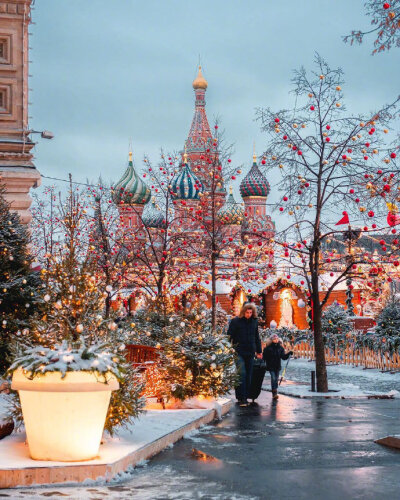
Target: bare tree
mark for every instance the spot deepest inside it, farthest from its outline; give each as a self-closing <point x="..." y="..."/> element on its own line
<point x="323" y="155"/>
<point x="385" y="21"/>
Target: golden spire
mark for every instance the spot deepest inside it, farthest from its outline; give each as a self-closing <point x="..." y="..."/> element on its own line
<point x="200" y="82"/>
<point x="130" y="156"/>
<point x="185" y="156"/>
<point x="254" y="152"/>
<point x="230" y="190"/>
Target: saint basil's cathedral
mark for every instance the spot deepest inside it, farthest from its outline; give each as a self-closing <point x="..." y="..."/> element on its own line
<point x="242" y="221"/>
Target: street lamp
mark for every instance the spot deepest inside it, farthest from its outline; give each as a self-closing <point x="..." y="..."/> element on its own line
<point x="45" y="134"/>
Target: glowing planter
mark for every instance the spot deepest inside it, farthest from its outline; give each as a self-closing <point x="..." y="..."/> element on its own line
<point x="64" y="418"/>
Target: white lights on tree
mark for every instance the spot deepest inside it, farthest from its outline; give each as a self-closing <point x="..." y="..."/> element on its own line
<point x="301" y="303"/>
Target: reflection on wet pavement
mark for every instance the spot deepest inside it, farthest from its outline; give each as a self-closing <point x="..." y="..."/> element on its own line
<point x="293" y="448"/>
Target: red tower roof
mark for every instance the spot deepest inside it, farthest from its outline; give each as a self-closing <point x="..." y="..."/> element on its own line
<point x="200" y="138"/>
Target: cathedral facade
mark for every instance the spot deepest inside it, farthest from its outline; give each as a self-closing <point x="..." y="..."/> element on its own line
<point x="243" y="221"/>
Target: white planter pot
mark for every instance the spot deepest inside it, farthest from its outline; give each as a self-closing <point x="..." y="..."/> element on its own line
<point x="64" y="418"/>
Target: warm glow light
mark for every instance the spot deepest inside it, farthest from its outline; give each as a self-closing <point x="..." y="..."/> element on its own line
<point x="286" y="294"/>
<point x="64" y="418"/>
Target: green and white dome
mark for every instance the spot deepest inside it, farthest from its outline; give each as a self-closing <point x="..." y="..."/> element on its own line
<point x="131" y="189"/>
<point x="232" y="213"/>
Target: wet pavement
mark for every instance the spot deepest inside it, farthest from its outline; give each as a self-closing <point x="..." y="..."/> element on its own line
<point x="289" y="449"/>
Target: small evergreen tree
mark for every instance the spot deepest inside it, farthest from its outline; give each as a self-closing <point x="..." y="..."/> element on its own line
<point x="19" y="285"/>
<point x="335" y="321"/>
<point x="198" y="360"/>
<point x="388" y="323"/>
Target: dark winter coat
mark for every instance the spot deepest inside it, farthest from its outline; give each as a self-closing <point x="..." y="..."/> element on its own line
<point x="244" y="336"/>
<point x="273" y="354"/>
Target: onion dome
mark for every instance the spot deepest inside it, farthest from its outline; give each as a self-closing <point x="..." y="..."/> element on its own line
<point x="186" y="185"/>
<point x="153" y="217"/>
<point x="232" y="212"/>
<point x="254" y="184"/>
<point x="131" y="190"/>
<point x="200" y="82"/>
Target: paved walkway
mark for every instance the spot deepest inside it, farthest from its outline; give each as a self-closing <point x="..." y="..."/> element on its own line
<point x="291" y="449"/>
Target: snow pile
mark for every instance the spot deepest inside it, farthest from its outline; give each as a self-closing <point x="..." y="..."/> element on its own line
<point x="62" y="358"/>
<point x="200" y="403"/>
<point x="342" y="391"/>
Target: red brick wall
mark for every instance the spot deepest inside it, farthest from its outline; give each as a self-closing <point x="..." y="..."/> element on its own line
<point x="273" y="311"/>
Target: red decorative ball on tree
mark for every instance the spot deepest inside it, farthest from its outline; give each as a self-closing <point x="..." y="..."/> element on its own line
<point x="312" y="108"/>
<point x="371" y="213"/>
<point x="393" y="155"/>
<point x="386" y="5"/>
<point x="276" y="120"/>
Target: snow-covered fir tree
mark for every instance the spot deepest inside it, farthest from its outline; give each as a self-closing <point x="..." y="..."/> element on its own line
<point x="73" y="327"/>
<point x="198" y="361"/>
<point x="335" y="321"/>
<point x="388" y="322"/>
<point x="19" y="285"/>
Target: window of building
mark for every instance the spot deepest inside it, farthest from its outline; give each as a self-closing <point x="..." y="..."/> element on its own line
<point x="4" y="52"/>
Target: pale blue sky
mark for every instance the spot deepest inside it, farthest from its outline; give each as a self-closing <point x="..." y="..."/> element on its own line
<point x="107" y="71"/>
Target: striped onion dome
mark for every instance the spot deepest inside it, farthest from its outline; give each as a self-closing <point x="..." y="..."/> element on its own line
<point x="131" y="190"/>
<point x="153" y="217"/>
<point x="232" y="212"/>
<point x="254" y="184"/>
<point x="186" y="185"/>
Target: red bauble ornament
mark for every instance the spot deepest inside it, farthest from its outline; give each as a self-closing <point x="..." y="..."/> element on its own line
<point x="386" y="6"/>
<point x="351" y="191"/>
<point x="392" y="155"/>
<point x="276" y="120"/>
<point x="327" y="139"/>
<point x="285" y="137"/>
<point x="371" y="213"/>
<point x="285" y="198"/>
<point x="328" y="127"/>
<point x="312" y="108"/>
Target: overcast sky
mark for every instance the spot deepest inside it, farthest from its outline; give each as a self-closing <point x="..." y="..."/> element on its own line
<point x="104" y="72"/>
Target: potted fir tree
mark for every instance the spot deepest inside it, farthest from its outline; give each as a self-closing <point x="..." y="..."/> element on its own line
<point x="68" y="362"/>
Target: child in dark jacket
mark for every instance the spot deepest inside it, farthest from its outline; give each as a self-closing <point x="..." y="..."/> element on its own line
<point x="273" y="354"/>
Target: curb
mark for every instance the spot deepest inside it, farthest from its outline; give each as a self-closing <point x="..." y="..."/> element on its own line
<point x="390" y="441"/>
<point x="32" y="476"/>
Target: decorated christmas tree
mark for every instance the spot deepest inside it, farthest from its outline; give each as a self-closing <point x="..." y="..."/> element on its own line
<point x="336" y="320"/>
<point x="72" y="331"/>
<point x="19" y="285"/>
<point x="388" y="323"/>
<point x="198" y="361"/>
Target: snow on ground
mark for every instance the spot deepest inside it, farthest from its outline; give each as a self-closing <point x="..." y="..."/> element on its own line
<point x="148" y="428"/>
<point x="341" y="376"/>
<point x="144" y="483"/>
<point x="151" y="426"/>
<point x="335" y="391"/>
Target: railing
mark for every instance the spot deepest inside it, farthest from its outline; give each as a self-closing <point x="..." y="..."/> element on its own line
<point x="364" y="356"/>
<point x="140" y="355"/>
<point x="146" y="359"/>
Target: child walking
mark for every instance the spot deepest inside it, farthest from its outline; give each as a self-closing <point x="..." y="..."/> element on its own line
<point x="273" y="354"/>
